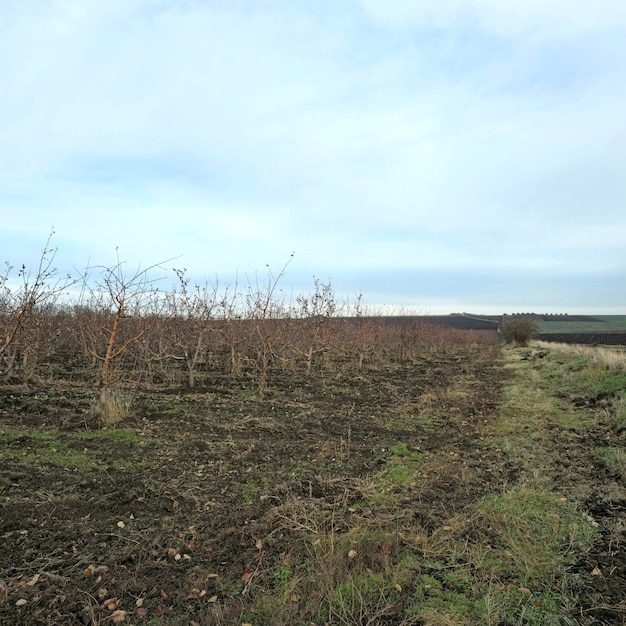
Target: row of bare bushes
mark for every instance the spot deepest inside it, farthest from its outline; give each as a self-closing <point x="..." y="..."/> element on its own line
<point x="110" y="326"/>
<point x="75" y="343"/>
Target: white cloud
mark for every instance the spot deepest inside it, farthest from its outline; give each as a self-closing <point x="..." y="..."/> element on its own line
<point x="402" y="135"/>
<point x="504" y="17"/>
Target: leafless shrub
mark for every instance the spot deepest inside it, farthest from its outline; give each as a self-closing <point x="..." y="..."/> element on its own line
<point x="264" y="309"/>
<point x="22" y="310"/>
<point x="188" y="324"/>
<point x="122" y="328"/>
<point x="116" y="302"/>
<point x="315" y="324"/>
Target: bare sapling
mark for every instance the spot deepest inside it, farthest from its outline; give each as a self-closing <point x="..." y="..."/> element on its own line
<point x="192" y="313"/>
<point x="120" y="300"/>
<point x="265" y="311"/>
<point x="33" y="291"/>
<point x="38" y="341"/>
<point x="231" y="330"/>
<point x="316" y="312"/>
<point x="364" y="332"/>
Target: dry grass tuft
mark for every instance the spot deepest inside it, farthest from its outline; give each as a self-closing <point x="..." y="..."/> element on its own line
<point x="612" y="357"/>
<point x="114" y="410"/>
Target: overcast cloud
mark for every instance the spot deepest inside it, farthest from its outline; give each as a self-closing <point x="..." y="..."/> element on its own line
<point x="447" y="155"/>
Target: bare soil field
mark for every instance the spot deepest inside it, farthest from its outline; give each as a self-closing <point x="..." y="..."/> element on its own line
<point x="470" y="486"/>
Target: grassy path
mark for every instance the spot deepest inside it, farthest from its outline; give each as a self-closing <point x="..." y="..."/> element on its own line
<point x="561" y="427"/>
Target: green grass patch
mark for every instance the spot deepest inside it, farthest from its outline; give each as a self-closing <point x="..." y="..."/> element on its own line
<point x="401" y="470"/>
<point x="619" y="413"/>
<point x="73" y="450"/>
<point x="521" y="605"/>
<point x="116" y="435"/>
<point x="579" y="375"/>
<point x="535" y="533"/>
<point x="612" y="382"/>
<point x="614" y="459"/>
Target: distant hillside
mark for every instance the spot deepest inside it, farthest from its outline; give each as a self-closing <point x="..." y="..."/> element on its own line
<point x="464" y="321"/>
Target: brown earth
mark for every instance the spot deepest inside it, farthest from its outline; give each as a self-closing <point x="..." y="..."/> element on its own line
<point x="175" y="519"/>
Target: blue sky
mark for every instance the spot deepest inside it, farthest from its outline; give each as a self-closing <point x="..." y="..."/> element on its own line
<point x="449" y="155"/>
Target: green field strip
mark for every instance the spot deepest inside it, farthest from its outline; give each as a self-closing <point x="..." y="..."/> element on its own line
<point x="608" y="324"/>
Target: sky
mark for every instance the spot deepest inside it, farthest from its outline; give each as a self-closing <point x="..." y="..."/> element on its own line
<point x="433" y="156"/>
